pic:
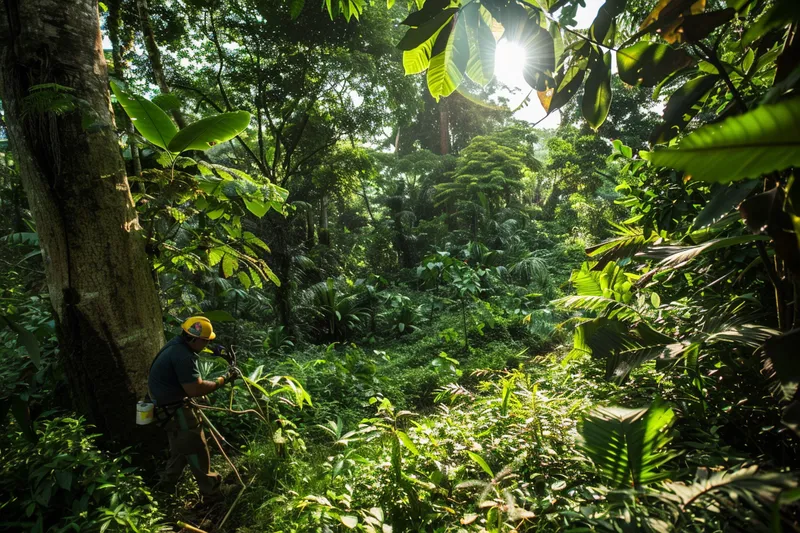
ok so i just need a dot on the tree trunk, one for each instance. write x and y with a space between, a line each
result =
324 236
154 54
444 128
114 25
104 301
310 234
552 201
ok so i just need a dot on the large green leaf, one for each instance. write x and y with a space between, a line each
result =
209 131
446 69
780 14
724 198
24 338
746 485
597 92
746 146
149 119
415 37
647 63
419 59
682 107
482 46
602 29
428 11
628 445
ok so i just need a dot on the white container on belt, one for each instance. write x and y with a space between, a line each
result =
144 413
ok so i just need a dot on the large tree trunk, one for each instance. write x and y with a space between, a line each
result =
154 54
104 301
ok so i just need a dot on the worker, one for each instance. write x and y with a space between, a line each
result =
174 378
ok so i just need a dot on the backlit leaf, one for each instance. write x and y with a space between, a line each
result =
597 92
415 37
682 106
209 131
745 146
148 119
648 63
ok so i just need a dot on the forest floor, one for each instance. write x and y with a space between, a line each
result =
435 435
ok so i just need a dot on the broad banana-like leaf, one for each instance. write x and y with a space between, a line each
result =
746 146
482 46
148 119
209 131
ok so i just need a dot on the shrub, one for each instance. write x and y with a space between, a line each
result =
63 482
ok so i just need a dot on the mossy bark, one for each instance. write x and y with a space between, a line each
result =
100 285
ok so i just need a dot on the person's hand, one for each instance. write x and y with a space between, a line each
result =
232 375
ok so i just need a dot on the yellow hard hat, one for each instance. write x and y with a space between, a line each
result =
200 327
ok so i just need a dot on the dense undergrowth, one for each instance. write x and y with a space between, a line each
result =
448 320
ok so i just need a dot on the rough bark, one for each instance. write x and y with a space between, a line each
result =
104 301
154 54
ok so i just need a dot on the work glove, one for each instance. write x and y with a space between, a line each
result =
232 375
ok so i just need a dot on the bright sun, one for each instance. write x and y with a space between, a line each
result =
509 59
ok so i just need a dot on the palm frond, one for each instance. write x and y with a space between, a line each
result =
628 445
745 485
628 242
622 348
606 306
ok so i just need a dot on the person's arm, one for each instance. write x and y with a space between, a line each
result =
189 377
201 388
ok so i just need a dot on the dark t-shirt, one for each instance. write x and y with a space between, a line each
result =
175 364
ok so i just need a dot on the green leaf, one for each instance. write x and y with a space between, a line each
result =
245 280
209 131
627 445
257 207
149 119
439 83
597 92
349 521
229 264
428 11
415 37
167 102
218 316
407 442
781 14
446 70
782 362
599 31
24 338
418 59
724 198
746 146
483 464
682 106
295 8
482 46
647 63
734 487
